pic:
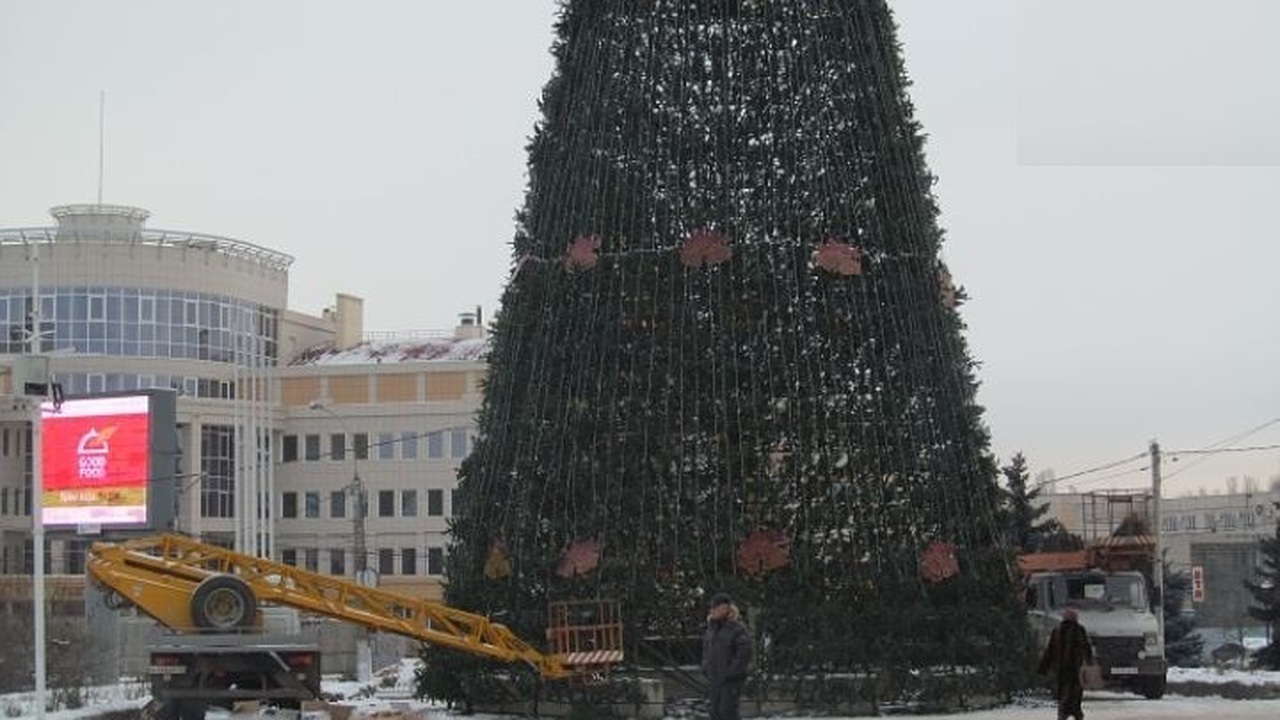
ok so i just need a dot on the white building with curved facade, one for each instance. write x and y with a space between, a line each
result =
277 410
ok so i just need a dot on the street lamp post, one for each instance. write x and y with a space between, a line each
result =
364 650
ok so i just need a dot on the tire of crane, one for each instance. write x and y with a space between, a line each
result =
223 602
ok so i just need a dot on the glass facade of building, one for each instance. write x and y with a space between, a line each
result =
143 323
146 323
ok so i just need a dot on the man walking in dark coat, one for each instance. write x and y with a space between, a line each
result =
726 655
1067 651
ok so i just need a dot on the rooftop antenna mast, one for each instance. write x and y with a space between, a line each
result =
102 111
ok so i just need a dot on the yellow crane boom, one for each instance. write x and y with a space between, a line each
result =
189 586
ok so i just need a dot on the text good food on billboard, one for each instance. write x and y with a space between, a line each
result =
96 454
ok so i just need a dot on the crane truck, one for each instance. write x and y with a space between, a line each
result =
1109 594
208 600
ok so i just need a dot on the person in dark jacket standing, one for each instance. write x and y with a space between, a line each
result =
1067 651
726 655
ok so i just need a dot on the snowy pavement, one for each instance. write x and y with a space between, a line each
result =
1099 706
395 689
1110 706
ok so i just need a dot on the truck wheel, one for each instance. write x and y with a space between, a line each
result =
223 602
1152 688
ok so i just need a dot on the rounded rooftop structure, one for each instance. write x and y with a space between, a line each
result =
186 306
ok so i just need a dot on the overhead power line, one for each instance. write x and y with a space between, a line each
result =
1097 468
1215 451
1218 447
1204 453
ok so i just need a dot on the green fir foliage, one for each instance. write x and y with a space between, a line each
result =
1182 646
666 401
1266 599
1027 530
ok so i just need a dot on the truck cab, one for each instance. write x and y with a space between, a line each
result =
1114 609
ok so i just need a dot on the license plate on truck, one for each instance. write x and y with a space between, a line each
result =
1124 671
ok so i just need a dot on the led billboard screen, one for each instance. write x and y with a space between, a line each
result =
96 453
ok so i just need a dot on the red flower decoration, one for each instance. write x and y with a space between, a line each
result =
705 247
581 557
764 550
838 258
583 252
938 562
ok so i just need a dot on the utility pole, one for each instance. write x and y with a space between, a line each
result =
34 347
1157 565
364 648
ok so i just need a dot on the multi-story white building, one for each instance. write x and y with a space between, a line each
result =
390 419
278 411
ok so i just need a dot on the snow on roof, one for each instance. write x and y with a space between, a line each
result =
397 351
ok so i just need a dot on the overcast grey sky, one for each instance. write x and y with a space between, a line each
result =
1106 173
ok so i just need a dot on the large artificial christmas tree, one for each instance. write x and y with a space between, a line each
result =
729 358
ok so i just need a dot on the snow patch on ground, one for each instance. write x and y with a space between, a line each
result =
1224 675
390 694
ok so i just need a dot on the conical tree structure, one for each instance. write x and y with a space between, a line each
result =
728 356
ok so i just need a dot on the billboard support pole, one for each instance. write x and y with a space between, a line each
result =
37 521
37 488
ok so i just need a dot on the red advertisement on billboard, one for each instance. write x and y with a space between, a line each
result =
96 455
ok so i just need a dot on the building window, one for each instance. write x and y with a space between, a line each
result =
360 441
386 561
97 307
458 443
313 447
289 556
435 503
338 504
289 448
408 446
453 503
338 446
289 505
311 559
218 471
409 503
409 561
386 503
386 446
312 508
337 561
435 445
435 561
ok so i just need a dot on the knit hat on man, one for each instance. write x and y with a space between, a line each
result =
1071 614
720 599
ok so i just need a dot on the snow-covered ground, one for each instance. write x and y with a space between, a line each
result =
393 698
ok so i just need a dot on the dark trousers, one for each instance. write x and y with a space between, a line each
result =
725 697
1070 693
